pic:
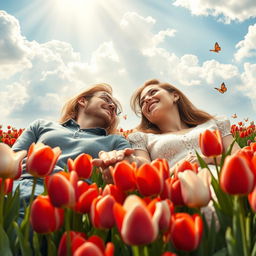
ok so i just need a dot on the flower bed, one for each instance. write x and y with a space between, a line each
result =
145 211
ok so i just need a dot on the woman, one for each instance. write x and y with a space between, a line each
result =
170 125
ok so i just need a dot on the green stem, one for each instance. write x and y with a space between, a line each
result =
242 226
67 228
48 237
140 250
2 203
29 208
216 165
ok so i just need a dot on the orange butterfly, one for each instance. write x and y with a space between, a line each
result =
222 88
216 48
234 116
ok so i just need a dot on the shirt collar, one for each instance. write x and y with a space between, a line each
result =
97 130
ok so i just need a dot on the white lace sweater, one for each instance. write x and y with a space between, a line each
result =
174 147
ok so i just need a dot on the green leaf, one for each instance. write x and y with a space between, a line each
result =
24 245
4 243
222 252
12 207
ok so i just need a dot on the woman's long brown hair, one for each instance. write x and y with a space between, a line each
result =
189 114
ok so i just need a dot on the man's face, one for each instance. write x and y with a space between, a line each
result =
103 106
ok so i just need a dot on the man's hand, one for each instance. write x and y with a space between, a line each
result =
108 159
112 157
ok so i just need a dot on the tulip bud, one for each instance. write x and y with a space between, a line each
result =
42 209
236 176
210 143
186 231
42 159
82 165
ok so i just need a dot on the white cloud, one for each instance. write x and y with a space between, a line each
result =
247 47
55 70
249 80
14 54
226 11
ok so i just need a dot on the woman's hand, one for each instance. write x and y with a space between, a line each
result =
112 157
107 159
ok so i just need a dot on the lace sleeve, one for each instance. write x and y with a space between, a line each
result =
138 140
223 125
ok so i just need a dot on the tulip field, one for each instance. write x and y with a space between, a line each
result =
146 211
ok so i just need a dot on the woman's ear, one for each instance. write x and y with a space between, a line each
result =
82 101
176 97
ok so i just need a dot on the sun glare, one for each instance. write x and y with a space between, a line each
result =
73 6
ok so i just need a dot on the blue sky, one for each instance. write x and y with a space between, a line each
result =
52 49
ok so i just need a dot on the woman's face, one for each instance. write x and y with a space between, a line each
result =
155 102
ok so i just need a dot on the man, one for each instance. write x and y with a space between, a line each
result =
87 124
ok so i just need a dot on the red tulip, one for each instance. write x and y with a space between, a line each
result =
8 184
185 165
135 222
45 218
76 238
210 143
186 231
162 163
10 162
252 199
150 180
82 165
169 254
124 176
62 189
42 159
113 190
175 191
86 195
236 176
102 212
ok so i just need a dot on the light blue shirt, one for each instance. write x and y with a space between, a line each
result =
72 141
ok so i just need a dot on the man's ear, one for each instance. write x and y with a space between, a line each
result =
82 101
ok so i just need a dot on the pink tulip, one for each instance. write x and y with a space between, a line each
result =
45 218
62 189
94 246
82 165
195 188
41 159
135 222
10 162
102 212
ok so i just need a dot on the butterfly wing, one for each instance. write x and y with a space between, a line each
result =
223 88
217 47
